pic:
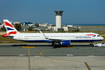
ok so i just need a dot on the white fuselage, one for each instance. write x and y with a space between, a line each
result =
73 37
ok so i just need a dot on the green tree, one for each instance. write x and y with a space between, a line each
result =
3 28
30 28
37 25
18 26
77 30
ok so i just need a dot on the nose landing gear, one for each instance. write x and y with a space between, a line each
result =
91 44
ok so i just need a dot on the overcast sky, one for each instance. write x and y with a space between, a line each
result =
42 11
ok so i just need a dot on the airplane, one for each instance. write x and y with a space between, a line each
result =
63 39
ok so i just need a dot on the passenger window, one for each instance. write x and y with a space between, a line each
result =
98 35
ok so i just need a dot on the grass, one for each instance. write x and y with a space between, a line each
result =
104 39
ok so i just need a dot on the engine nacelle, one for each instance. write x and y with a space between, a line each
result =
65 43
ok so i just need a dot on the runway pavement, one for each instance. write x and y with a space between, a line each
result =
45 57
74 49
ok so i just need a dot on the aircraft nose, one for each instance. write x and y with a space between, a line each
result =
102 38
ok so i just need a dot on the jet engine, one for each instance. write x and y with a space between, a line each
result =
65 42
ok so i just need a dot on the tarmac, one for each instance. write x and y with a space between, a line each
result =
52 63
44 57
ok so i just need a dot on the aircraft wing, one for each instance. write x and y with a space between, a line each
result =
52 39
56 39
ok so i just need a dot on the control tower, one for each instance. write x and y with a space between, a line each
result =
58 26
58 20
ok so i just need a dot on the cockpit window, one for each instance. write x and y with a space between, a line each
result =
98 35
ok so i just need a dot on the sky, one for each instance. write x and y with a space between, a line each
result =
42 11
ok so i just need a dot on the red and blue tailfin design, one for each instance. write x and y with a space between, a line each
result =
10 30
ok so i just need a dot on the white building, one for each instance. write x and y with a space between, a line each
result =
16 23
54 28
43 24
69 25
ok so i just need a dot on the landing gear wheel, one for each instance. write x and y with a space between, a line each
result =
52 43
91 45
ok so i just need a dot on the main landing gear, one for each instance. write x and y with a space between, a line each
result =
55 44
91 44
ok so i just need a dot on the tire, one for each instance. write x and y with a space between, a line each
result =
91 45
52 43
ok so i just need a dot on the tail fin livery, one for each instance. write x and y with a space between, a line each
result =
10 30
